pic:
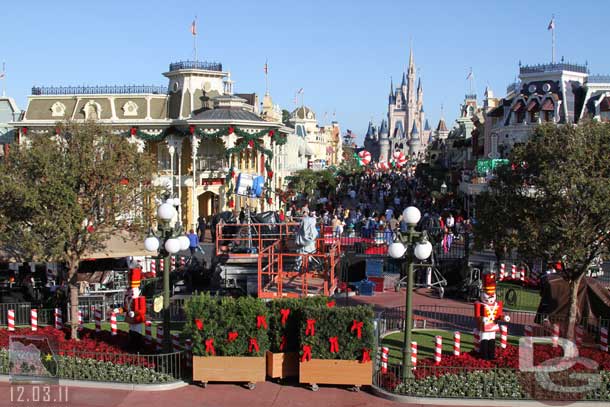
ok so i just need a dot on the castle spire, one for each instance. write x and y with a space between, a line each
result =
411 60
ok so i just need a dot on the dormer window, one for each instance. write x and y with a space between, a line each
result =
548 110
519 112
534 111
604 110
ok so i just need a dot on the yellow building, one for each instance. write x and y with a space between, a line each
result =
201 134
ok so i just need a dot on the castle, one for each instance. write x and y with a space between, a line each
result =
406 128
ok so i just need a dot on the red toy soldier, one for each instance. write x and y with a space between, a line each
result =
135 304
488 312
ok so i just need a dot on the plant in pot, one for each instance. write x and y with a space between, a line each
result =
336 346
230 338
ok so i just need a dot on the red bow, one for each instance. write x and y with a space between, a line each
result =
253 344
334 344
306 353
209 346
133 131
191 129
261 322
271 133
199 324
283 343
330 304
231 130
366 356
357 326
232 336
285 312
311 327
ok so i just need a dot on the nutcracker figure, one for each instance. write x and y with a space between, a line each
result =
135 306
488 312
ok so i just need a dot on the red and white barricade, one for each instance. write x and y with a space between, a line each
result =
502 271
176 342
513 271
603 339
11 319
414 354
384 359
59 323
153 268
522 273
438 349
34 319
456 343
182 261
503 336
113 326
172 263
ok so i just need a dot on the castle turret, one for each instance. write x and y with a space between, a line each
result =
414 141
384 142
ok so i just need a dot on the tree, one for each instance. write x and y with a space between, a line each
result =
553 201
65 194
285 116
309 182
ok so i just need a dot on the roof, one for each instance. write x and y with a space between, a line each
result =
249 97
227 114
441 125
303 113
384 127
427 126
414 130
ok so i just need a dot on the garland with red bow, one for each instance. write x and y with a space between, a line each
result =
209 346
253 345
261 322
284 312
306 357
232 336
311 327
357 326
334 344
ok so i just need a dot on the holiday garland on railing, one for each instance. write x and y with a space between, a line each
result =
136 132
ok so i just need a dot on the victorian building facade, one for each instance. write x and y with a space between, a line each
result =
201 134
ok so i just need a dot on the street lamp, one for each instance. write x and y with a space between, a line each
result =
401 248
166 241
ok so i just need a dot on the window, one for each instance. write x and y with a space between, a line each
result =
548 115
163 157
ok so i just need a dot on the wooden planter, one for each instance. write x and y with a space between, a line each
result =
335 371
229 369
281 365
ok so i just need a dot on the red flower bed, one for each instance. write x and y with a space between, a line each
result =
505 358
91 346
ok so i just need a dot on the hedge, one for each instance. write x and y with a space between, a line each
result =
90 369
289 330
337 322
211 318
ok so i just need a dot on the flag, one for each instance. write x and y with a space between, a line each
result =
469 74
3 73
266 68
551 24
194 27
300 91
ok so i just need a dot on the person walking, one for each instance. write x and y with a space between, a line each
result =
193 241
201 226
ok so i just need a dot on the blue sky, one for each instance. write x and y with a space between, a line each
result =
341 52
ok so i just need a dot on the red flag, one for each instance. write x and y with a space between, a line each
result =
194 27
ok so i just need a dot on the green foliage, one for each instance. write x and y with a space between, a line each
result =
285 116
309 182
291 329
553 203
221 315
90 369
337 321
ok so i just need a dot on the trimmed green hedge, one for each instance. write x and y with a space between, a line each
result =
337 322
291 329
222 315
90 369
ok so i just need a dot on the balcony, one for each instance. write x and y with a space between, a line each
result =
599 79
208 66
211 163
556 67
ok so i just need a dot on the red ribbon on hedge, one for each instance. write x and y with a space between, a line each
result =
311 327
209 346
199 324
357 326
306 353
253 344
285 312
232 336
283 343
366 356
334 344
261 322
330 304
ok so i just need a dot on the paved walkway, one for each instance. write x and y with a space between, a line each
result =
226 395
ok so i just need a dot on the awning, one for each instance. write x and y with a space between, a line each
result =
518 106
121 244
532 105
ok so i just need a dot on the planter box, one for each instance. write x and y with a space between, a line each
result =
335 371
281 365
228 369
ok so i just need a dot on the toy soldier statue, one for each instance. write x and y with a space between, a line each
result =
488 312
135 305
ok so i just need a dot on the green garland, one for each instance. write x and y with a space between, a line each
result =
136 132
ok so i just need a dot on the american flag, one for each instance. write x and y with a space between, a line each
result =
266 68
300 91
194 27
3 73
551 24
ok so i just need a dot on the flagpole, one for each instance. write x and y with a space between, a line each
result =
195 38
266 78
553 43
